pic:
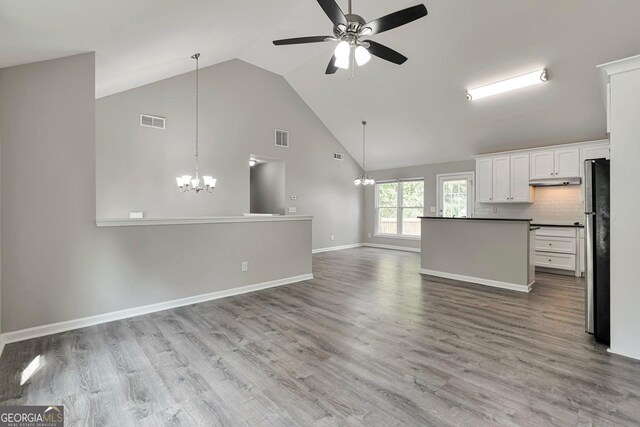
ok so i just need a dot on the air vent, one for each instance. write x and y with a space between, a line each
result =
282 138
152 121
338 156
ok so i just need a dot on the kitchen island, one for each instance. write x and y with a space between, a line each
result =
495 252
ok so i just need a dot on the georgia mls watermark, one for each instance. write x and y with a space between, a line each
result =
31 416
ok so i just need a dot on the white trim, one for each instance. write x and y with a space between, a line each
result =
1 345
545 148
478 280
620 65
55 328
394 248
336 248
396 236
618 353
471 192
126 222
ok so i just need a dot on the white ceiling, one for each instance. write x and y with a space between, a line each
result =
417 112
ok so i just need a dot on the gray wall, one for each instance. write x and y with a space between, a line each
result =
56 264
268 188
491 250
428 172
240 106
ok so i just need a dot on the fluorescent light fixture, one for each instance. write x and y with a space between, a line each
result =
539 76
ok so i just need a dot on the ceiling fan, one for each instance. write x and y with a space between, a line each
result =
351 29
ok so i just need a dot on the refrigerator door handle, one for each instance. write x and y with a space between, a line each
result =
589 282
588 186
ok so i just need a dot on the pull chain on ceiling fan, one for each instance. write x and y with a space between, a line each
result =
351 29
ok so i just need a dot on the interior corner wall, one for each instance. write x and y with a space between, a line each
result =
57 266
429 173
625 204
268 188
241 105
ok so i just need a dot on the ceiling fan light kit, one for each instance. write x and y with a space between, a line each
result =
529 79
350 31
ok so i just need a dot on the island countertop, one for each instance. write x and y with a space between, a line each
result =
476 218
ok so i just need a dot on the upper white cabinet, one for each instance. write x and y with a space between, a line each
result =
484 180
542 164
505 177
567 163
520 189
501 180
559 163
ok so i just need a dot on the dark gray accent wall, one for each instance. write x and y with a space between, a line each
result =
240 107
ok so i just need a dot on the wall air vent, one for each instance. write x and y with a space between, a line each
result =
152 121
338 156
282 138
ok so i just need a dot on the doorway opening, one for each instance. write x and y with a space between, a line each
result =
267 185
456 195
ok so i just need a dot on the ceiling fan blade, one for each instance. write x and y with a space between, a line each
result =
397 19
331 68
333 11
301 40
386 53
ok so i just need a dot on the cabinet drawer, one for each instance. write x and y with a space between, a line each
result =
565 245
554 260
556 232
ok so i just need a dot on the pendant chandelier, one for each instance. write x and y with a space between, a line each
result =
187 182
364 179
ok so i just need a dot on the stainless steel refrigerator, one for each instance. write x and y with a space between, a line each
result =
597 251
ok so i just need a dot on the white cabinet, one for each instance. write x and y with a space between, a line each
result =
484 180
600 151
567 163
558 163
501 180
519 171
542 164
558 248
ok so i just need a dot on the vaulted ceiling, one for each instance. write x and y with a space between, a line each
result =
417 112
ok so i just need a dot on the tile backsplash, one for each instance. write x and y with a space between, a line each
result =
551 204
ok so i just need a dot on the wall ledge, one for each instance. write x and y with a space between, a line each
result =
126 222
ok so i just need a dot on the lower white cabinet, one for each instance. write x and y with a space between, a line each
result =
558 248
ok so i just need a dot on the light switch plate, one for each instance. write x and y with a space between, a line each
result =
245 266
136 215
293 209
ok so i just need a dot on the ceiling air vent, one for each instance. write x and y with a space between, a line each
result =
152 121
282 138
338 156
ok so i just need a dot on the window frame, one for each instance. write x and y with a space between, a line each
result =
399 209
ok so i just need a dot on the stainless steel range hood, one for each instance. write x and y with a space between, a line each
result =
555 182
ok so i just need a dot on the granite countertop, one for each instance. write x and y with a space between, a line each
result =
477 219
559 225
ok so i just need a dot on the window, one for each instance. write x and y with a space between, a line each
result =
455 195
398 206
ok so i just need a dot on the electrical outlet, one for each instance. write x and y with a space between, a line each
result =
432 209
369 234
333 237
495 209
245 266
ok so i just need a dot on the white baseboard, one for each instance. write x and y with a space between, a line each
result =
395 248
55 328
336 248
624 354
478 280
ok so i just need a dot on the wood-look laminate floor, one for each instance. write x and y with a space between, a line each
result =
367 342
